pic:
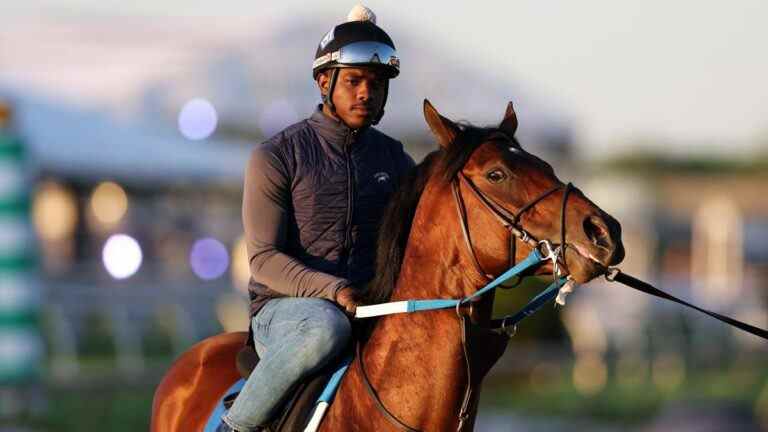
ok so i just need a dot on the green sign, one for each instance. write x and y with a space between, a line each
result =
21 348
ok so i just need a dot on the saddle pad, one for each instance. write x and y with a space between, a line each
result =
215 419
296 410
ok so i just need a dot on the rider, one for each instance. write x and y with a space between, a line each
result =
312 200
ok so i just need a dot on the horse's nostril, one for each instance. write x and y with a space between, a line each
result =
597 232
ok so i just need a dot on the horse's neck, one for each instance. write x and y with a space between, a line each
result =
415 361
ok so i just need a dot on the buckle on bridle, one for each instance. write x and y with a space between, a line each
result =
611 273
508 332
551 253
546 249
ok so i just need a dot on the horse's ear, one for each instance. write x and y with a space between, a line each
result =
509 124
444 130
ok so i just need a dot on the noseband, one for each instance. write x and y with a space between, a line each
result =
511 221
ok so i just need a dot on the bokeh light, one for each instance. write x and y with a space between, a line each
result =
109 203
198 119
587 333
54 211
590 373
121 256
240 270
209 258
232 312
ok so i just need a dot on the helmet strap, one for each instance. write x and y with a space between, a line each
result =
328 96
383 104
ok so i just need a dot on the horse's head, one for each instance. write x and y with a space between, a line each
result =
501 182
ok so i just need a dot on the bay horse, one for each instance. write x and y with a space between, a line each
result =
427 249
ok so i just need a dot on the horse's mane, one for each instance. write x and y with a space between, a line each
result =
398 216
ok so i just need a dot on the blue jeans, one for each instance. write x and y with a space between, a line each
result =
294 336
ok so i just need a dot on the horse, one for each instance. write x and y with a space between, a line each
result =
440 238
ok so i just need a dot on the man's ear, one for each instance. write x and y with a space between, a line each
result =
323 80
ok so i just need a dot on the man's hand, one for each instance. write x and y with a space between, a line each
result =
348 299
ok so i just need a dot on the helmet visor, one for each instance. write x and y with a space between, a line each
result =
364 53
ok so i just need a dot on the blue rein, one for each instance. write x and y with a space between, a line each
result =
409 306
424 305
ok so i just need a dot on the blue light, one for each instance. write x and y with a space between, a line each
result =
209 258
197 119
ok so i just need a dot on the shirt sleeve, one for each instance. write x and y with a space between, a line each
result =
266 211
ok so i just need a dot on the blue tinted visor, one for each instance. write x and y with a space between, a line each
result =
362 54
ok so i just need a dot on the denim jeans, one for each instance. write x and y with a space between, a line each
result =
294 336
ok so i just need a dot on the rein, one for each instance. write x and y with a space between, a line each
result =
614 274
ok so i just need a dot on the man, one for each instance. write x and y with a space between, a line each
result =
312 200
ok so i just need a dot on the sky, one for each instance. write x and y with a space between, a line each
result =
684 77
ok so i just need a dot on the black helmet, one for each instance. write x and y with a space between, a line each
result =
355 43
358 42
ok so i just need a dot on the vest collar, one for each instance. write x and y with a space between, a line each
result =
334 131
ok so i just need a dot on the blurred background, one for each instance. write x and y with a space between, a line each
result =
125 127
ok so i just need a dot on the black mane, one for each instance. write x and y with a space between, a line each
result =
398 216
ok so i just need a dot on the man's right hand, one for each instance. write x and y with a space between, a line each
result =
347 298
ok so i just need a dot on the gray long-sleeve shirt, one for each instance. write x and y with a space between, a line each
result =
312 201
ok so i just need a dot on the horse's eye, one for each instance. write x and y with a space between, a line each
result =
496 176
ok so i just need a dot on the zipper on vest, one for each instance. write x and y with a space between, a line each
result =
350 196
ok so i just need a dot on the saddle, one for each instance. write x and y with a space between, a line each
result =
299 403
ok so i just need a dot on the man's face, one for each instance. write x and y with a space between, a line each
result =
358 95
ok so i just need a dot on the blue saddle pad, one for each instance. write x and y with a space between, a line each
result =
215 419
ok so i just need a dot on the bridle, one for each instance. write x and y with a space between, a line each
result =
511 221
546 250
